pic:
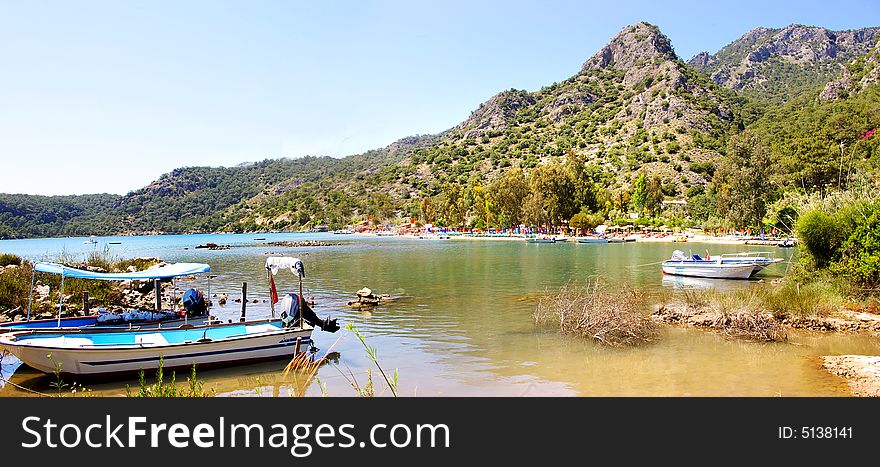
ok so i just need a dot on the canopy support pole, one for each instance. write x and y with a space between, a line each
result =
244 300
60 300
302 302
31 299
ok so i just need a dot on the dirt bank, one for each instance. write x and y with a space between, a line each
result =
862 372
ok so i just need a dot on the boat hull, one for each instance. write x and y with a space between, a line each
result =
85 354
709 271
540 240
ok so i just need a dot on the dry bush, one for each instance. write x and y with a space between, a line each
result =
610 318
756 326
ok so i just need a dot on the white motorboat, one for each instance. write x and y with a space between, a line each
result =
682 265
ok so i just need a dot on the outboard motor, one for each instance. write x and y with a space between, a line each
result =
194 303
290 305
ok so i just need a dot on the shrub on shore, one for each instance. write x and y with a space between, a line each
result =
7 259
610 318
841 235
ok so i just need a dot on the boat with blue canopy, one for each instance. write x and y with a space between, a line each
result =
194 304
89 351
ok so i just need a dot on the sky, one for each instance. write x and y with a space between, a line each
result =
106 96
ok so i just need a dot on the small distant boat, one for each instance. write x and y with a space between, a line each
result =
787 243
616 240
386 233
541 240
592 240
434 236
343 232
90 241
260 238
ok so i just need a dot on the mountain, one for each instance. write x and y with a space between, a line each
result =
633 104
778 64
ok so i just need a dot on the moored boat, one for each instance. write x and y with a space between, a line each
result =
434 236
787 243
92 351
87 353
592 240
541 240
682 265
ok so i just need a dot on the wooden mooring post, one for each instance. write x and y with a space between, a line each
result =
86 307
157 286
243 301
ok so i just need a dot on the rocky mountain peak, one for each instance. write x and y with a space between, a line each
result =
632 46
701 60
856 76
757 60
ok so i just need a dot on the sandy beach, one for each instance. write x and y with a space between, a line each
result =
640 237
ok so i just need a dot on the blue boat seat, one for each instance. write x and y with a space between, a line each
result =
696 257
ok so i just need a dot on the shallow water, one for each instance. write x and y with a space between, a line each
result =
463 324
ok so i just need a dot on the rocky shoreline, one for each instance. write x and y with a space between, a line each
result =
706 317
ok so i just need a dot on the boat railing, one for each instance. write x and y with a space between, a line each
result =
745 254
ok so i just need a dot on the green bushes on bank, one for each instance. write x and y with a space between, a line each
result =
843 239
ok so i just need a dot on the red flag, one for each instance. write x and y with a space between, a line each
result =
273 293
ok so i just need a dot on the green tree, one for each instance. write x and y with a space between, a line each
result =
506 194
556 190
640 193
427 210
654 196
742 180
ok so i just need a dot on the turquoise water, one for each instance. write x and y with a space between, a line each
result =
462 321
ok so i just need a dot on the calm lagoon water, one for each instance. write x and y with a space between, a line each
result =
463 324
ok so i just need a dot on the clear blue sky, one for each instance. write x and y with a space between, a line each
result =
106 96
